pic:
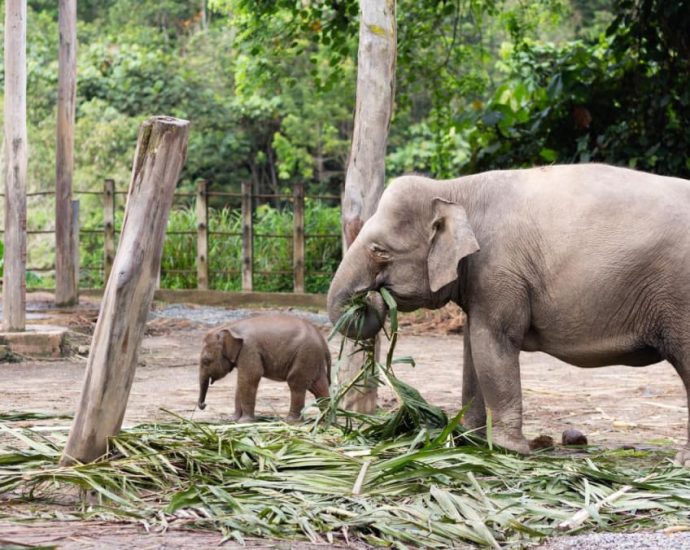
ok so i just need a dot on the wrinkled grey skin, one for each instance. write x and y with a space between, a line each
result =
277 347
588 263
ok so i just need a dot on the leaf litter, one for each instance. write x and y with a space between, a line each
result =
407 477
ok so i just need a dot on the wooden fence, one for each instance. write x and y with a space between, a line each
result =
202 232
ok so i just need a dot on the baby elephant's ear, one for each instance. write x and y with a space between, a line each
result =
232 345
452 239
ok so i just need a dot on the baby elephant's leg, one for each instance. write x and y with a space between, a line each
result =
297 398
320 387
248 377
238 404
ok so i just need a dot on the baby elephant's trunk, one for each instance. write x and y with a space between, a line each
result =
203 388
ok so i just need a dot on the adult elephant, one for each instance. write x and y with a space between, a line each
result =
588 263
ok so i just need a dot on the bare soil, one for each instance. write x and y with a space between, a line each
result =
613 406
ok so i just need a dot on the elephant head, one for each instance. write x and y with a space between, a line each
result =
412 246
218 357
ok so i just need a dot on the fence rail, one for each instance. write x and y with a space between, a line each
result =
109 231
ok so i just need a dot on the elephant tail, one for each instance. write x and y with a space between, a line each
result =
328 365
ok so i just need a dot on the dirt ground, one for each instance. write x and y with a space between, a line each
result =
613 406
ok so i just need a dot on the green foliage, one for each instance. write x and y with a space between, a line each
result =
273 480
269 87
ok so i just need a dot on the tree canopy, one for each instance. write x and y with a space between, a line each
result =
269 86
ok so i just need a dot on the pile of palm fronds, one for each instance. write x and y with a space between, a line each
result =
406 477
286 482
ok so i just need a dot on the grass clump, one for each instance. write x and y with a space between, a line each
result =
408 477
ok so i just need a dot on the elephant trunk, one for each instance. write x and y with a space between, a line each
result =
203 388
349 283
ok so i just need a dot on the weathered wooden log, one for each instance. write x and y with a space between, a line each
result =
160 155
66 278
14 277
365 176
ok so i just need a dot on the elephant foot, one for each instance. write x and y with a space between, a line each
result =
293 419
246 419
515 443
474 423
683 457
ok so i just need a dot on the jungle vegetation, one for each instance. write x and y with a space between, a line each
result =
269 88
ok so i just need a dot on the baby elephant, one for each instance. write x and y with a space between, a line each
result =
279 347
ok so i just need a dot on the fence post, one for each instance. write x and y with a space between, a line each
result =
247 238
66 271
298 238
201 235
108 228
75 246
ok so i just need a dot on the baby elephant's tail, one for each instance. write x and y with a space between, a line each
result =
328 365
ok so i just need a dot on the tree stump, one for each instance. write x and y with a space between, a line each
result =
160 155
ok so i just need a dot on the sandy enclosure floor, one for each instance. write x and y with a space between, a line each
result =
613 406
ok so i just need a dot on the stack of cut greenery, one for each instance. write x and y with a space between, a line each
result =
408 477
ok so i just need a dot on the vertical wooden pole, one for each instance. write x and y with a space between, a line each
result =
160 155
15 145
298 238
202 235
108 228
66 293
75 244
247 238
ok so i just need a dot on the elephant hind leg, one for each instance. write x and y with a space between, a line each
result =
297 398
682 366
320 387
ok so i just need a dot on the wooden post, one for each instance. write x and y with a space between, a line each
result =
160 155
108 228
247 238
202 235
365 176
66 293
15 146
74 230
298 238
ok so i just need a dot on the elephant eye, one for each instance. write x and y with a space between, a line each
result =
380 254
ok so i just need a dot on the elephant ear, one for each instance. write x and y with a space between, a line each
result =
452 239
232 345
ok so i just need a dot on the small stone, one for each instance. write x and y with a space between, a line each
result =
572 437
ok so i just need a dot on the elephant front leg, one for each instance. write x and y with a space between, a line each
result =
472 398
497 369
238 404
247 385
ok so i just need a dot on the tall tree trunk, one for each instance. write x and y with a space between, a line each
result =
66 271
15 145
366 167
